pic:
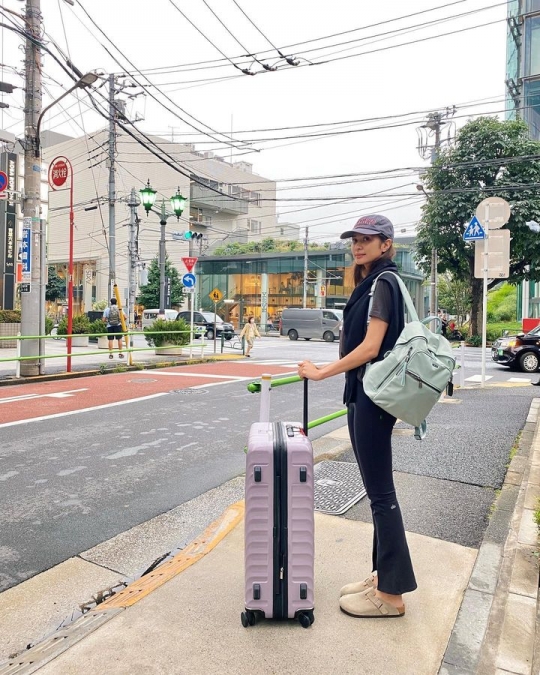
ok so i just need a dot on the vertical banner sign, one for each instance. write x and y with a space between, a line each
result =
8 240
26 250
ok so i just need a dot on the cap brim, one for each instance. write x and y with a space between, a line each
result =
360 230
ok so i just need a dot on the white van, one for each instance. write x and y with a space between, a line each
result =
150 315
321 324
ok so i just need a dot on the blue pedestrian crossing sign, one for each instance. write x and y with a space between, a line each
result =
474 231
189 280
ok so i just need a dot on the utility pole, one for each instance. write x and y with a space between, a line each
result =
30 301
112 184
434 124
306 265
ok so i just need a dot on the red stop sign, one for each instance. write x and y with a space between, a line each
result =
58 173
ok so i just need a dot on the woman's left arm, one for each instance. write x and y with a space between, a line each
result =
366 351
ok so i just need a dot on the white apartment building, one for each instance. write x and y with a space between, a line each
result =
227 202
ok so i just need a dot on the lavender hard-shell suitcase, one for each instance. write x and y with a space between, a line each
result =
279 524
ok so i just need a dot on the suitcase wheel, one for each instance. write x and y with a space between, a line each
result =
248 618
306 618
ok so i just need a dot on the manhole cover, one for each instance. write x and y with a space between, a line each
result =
143 379
189 391
338 486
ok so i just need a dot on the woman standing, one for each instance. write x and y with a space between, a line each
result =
368 339
250 332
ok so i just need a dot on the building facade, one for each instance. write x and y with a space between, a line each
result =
523 101
225 202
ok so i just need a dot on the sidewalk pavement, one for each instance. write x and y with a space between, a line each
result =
475 611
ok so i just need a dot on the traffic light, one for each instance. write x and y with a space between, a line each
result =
194 236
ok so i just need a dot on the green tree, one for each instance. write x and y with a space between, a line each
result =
454 296
489 158
56 287
149 295
268 245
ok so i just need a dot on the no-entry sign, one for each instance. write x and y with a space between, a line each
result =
58 173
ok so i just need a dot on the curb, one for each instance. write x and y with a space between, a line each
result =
31 660
496 624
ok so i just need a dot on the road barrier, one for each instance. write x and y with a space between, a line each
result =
198 344
263 388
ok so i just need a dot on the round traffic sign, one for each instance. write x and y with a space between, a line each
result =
493 212
58 173
189 280
3 181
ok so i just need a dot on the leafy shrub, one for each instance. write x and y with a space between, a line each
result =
168 333
97 326
81 325
502 304
10 316
49 325
474 340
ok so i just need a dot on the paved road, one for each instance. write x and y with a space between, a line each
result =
74 479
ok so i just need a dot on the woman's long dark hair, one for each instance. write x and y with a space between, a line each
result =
359 271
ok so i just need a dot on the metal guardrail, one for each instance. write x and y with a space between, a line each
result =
266 383
127 349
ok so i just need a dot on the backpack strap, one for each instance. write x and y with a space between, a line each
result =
404 292
420 431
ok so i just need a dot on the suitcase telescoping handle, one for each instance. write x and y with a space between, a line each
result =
266 386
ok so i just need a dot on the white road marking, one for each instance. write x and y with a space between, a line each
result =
213 377
82 410
478 378
27 397
519 379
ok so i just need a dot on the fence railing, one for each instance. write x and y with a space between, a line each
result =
266 383
128 348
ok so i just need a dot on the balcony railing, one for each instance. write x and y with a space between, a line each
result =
202 197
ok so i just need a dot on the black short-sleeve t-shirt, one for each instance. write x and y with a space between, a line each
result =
382 302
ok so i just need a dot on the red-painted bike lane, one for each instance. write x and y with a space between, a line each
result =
43 399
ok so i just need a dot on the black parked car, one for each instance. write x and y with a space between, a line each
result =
518 351
205 321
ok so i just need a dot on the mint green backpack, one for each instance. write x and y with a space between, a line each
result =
413 375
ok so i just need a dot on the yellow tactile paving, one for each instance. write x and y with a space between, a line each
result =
209 539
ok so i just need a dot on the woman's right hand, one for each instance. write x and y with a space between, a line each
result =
309 371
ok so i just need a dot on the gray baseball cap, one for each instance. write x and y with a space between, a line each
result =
373 224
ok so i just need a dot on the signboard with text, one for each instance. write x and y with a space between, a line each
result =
58 173
26 253
189 263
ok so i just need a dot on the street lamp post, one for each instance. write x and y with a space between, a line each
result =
148 197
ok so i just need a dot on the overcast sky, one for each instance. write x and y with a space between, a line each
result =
465 69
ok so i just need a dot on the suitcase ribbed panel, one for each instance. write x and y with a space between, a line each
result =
301 525
259 519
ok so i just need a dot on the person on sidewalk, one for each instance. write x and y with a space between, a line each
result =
366 339
112 316
250 332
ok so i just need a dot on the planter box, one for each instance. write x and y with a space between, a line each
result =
79 341
8 329
103 342
168 350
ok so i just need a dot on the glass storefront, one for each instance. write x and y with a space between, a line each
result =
252 286
84 289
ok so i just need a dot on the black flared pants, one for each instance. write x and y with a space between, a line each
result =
370 429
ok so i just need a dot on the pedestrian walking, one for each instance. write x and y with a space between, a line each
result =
112 315
366 339
250 332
